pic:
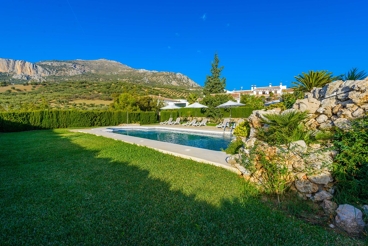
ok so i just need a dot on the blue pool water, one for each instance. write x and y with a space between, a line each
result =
199 140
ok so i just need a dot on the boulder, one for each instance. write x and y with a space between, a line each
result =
326 125
360 85
249 143
365 107
312 124
351 106
329 206
254 121
358 97
344 113
316 93
358 113
322 178
322 118
343 93
252 132
294 162
308 104
299 147
321 195
319 160
306 186
331 89
342 123
350 219
336 108
328 103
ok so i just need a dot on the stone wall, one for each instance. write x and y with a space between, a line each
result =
335 104
310 166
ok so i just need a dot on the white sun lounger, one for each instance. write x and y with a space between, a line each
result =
202 123
168 122
176 122
190 123
224 123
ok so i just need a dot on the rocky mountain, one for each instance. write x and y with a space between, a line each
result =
17 71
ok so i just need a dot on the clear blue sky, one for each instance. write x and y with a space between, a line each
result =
258 42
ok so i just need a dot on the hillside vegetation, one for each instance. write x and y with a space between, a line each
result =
82 95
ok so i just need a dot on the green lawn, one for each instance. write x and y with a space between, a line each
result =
65 188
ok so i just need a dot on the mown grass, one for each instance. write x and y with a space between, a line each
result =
66 188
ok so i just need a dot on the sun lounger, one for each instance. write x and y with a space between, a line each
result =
202 123
190 123
176 122
166 122
225 123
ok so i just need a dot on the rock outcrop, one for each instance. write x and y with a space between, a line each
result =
334 105
97 70
22 69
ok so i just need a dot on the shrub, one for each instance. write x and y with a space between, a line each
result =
289 99
351 163
279 105
234 146
242 129
268 170
324 135
252 101
284 128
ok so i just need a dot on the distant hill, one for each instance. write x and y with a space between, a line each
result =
19 71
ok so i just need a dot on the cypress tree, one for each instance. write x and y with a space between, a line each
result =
213 83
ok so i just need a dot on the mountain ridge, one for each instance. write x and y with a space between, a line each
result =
17 71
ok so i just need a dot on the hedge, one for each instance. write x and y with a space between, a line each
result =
50 119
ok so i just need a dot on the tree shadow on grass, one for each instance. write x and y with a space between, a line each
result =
53 191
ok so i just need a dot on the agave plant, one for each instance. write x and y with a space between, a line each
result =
307 81
354 74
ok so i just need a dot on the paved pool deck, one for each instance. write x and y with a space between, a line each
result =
216 158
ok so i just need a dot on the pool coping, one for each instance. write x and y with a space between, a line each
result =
216 158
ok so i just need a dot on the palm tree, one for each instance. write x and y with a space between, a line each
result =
305 82
354 74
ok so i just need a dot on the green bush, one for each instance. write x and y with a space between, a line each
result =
351 163
288 99
242 129
324 135
268 170
234 146
284 128
279 105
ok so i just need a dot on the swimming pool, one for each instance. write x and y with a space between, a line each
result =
209 141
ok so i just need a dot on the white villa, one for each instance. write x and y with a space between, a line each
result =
259 91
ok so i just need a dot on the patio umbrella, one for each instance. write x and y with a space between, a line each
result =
196 105
170 106
230 104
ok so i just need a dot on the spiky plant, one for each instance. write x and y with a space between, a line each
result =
355 74
305 82
283 128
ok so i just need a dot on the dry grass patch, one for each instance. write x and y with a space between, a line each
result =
15 88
